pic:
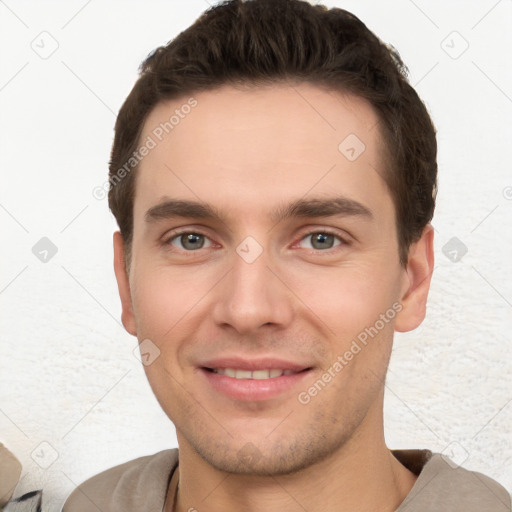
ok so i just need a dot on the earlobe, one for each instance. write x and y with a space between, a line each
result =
418 274
123 284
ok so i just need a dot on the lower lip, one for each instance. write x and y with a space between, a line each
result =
253 389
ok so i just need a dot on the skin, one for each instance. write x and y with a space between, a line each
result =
247 151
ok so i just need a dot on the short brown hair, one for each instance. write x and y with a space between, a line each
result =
264 41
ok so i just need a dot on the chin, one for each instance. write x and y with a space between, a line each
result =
283 455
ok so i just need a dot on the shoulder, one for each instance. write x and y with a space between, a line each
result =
443 485
134 485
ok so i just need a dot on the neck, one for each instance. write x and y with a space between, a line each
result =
361 475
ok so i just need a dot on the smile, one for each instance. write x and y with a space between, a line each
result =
247 374
254 384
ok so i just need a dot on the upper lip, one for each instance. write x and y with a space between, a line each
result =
263 363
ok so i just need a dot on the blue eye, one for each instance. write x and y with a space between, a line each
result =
322 240
189 241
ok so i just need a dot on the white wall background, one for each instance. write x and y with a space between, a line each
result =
68 376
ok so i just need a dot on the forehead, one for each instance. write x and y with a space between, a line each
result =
249 147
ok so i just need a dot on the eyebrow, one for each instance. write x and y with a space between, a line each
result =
301 208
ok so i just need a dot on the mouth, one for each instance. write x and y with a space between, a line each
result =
254 384
238 373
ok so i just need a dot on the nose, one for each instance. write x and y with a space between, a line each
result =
253 295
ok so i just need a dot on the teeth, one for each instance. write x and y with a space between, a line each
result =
256 374
265 374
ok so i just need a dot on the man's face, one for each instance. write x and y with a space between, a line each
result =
256 289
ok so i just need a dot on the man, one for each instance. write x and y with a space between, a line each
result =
273 175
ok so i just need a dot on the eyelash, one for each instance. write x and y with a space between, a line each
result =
343 242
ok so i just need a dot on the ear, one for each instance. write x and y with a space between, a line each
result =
416 284
123 285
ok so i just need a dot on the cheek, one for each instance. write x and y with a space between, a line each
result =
162 299
348 299
160 306
170 306
152 310
358 307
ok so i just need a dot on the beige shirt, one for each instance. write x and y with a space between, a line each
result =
141 485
